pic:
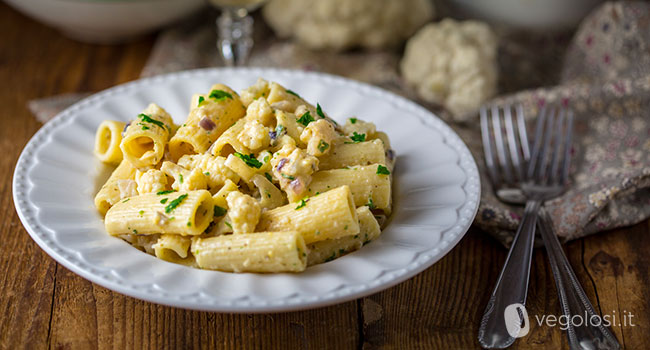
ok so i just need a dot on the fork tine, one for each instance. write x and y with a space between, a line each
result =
544 157
512 142
557 154
567 149
487 146
539 131
500 144
523 135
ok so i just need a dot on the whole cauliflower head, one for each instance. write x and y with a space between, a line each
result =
454 64
341 24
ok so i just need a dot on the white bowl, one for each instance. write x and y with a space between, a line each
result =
106 21
536 15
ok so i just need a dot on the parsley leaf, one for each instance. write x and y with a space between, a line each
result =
201 99
358 137
353 120
370 203
164 200
268 177
160 193
322 146
287 176
305 119
219 211
175 203
279 130
249 160
219 95
293 93
302 203
382 170
148 119
319 111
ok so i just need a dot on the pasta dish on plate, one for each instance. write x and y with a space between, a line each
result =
260 181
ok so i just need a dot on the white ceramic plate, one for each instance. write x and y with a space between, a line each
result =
436 195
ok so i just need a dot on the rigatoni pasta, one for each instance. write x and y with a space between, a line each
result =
262 183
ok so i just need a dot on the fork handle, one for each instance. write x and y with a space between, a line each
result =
573 300
512 285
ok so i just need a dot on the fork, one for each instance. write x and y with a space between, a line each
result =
510 188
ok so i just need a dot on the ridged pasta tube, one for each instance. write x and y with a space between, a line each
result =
184 213
330 249
145 138
110 192
252 252
107 142
369 186
349 154
328 215
174 248
207 120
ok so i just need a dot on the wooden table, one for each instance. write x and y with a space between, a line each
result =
42 304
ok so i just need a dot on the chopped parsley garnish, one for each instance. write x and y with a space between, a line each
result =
219 95
293 93
358 137
370 203
353 120
219 211
319 111
164 200
160 193
175 203
201 99
135 231
382 170
126 200
268 177
322 146
228 224
189 224
148 119
249 160
302 203
207 173
141 212
180 178
332 257
144 127
305 119
279 130
287 176
267 158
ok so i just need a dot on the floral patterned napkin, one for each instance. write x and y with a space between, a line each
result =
605 78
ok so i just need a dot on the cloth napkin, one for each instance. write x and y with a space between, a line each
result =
604 78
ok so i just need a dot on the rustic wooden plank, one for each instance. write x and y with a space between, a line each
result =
27 273
440 307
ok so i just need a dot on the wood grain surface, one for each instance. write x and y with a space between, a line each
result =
43 305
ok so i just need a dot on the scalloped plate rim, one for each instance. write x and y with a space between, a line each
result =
329 298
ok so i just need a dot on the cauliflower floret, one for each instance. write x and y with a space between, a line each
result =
354 125
184 180
255 91
150 181
128 188
214 168
318 135
255 136
244 212
261 111
454 64
341 24
293 168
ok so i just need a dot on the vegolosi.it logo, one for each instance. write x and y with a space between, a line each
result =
516 319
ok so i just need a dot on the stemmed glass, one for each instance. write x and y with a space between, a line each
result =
235 29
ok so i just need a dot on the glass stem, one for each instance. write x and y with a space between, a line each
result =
235 28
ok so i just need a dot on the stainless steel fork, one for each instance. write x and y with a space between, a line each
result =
512 184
